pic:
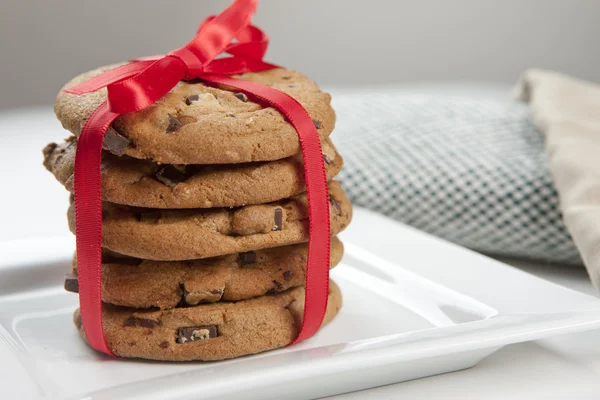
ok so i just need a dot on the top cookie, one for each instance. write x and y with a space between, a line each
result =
199 124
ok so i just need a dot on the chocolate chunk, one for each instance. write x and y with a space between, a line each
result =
115 142
217 291
278 219
278 287
287 275
171 175
49 149
335 204
174 124
191 99
253 219
286 77
164 345
327 159
145 323
241 96
71 283
317 123
247 257
195 333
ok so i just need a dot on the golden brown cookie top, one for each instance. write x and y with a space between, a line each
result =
199 124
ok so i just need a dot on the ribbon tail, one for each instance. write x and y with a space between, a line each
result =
88 224
317 267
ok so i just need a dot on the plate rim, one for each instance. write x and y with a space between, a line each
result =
392 348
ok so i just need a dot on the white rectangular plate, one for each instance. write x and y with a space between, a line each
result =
414 306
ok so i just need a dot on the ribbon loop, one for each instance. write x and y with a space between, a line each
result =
195 67
252 43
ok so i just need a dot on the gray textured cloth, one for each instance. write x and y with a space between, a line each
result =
567 111
467 168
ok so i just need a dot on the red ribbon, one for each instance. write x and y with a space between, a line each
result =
134 86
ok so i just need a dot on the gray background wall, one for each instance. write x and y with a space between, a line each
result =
43 43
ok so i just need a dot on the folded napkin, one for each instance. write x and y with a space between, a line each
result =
567 111
463 163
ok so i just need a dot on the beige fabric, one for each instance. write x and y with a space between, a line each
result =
567 111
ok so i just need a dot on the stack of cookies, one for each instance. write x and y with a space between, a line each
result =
205 221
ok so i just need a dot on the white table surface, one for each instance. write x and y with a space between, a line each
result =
33 204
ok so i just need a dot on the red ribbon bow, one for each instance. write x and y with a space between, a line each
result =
134 86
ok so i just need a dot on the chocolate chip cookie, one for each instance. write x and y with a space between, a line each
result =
199 124
172 235
143 183
210 331
139 283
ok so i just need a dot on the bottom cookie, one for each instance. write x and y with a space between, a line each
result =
209 332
